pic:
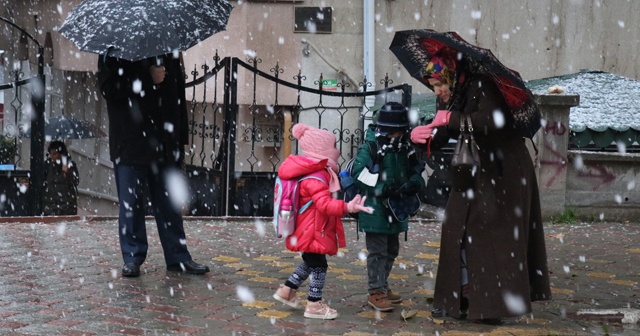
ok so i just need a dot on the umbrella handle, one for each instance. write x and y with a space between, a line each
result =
104 59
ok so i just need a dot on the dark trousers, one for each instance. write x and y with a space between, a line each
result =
131 182
382 251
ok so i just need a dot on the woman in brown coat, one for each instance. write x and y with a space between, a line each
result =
493 260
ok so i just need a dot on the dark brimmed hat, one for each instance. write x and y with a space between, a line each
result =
391 117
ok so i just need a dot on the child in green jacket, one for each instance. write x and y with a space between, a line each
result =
390 179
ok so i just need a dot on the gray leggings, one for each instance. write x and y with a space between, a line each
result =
383 249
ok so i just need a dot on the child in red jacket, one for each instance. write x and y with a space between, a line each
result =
319 228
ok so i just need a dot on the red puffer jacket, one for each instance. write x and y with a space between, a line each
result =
319 228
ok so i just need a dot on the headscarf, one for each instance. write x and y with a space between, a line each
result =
442 69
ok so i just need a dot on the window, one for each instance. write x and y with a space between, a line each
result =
313 20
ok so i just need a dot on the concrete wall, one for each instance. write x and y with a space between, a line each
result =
538 38
552 142
603 185
600 186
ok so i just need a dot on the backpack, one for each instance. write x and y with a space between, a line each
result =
285 203
347 185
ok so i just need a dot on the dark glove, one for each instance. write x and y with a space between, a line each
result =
419 167
384 192
409 188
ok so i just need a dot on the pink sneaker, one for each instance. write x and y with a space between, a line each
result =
288 296
319 310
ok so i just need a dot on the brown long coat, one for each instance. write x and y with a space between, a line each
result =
499 222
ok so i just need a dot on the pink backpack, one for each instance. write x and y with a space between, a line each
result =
285 203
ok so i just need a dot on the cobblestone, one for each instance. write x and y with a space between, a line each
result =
61 276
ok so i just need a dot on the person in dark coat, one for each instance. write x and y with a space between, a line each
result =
398 177
438 160
147 134
493 260
61 182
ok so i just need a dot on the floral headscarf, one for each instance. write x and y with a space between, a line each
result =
442 70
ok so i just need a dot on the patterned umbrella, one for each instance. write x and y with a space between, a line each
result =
414 49
138 29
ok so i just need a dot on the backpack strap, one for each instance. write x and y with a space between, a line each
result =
373 149
317 175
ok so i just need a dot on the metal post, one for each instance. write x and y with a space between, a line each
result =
229 131
37 137
37 127
406 95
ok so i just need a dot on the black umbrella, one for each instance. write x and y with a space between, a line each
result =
414 49
137 29
61 128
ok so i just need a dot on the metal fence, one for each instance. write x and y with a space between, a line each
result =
240 135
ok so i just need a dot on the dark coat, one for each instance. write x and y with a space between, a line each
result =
147 122
499 222
438 186
60 191
396 169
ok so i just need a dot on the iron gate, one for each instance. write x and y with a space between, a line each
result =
20 189
240 135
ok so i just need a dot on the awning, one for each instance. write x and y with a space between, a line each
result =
609 110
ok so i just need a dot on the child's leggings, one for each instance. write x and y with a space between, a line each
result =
314 266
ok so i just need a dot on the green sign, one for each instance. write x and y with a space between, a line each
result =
330 84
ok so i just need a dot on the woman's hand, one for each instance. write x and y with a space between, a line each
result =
441 119
420 134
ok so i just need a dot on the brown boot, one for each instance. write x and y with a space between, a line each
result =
394 297
378 300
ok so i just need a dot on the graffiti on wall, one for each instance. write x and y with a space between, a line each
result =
557 162
555 128
599 173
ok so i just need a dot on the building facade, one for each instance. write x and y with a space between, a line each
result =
341 41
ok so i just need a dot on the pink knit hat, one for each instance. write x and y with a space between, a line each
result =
317 143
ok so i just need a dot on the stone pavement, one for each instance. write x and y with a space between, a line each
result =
62 277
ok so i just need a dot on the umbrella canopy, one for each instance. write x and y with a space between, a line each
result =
138 29
62 128
415 48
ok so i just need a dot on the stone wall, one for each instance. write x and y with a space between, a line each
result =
594 185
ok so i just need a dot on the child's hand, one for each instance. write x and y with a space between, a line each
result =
357 205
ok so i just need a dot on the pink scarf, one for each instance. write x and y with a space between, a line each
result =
334 184
331 167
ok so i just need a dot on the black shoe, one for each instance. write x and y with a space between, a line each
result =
131 270
438 313
464 304
189 266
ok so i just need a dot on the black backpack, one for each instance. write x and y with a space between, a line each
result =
347 180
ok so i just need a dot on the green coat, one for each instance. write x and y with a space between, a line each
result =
395 170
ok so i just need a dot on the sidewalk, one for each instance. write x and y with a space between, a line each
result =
63 278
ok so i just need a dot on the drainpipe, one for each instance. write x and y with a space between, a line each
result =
369 56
